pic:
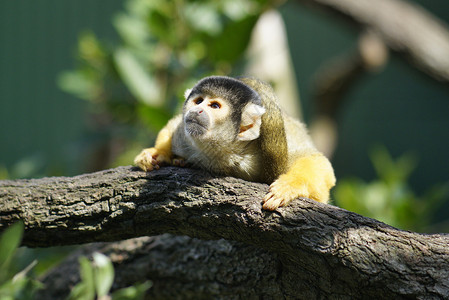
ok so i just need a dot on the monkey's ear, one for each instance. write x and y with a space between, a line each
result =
187 93
251 121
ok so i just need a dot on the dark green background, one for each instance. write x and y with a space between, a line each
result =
38 40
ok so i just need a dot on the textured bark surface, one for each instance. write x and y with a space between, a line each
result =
403 26
180 268
311 249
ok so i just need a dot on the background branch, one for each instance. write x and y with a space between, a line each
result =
406 28
320 248
180 268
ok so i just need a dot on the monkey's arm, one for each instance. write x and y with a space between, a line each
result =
310 176
161 153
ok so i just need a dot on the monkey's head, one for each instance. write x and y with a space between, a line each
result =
224 109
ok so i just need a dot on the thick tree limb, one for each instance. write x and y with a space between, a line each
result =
322 250
403 26
180 268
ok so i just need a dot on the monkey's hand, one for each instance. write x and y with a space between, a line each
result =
310 176
152 158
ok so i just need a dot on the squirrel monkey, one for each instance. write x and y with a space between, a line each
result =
235 127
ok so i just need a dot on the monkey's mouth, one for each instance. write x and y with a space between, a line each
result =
194 127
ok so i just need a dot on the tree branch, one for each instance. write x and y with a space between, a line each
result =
403 26
180 268
322 246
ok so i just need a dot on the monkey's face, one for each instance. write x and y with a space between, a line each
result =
223 110
205 116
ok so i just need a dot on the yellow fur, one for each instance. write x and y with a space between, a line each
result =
310 176
160 154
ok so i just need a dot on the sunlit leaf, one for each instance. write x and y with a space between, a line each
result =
89 48
135 292
203 16
141 83
77 83
85 290
104 274
10 288
131 29
238 9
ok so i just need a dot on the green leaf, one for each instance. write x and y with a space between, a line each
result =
131 29
203 17
85 290
22 274
239 9
104 274
87 273
20 287
9 242
141 84
161 25
89 48
77 83
11 288
135 292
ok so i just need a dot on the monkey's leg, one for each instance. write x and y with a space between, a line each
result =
310 176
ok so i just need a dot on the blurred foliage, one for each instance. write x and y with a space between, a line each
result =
28 167
165 47
14 285
97 278
389 198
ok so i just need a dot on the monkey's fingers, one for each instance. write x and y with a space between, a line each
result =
282 192
271 202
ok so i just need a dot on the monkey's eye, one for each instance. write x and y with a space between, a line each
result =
198 100
215 105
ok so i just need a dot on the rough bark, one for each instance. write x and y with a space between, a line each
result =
314 250
179 268
403 26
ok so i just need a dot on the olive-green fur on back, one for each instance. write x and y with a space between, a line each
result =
272 140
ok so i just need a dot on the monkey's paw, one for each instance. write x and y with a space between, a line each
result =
281 193
310 177
152 158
